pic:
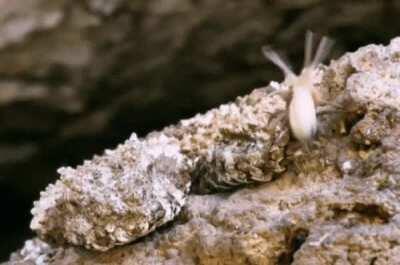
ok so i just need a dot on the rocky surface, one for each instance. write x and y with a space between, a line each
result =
75 72
115 198
126 193
337 204
77 77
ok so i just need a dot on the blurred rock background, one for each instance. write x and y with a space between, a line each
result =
79 76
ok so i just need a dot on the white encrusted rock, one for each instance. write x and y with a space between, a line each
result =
115 198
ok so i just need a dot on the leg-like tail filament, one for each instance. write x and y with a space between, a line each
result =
308 48
275 58
323 50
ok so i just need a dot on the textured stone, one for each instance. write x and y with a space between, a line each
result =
236 144
127 193
338 203
74 79
115 198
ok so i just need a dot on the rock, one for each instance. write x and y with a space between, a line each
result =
236 144
115 198
126 193
339 203
75 79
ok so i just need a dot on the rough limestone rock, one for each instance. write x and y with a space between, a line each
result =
76 76
75 72
126 193
337 204
236 144
115 198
